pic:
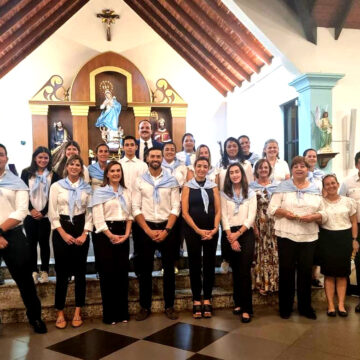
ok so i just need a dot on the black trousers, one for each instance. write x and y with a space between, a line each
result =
38 231
201 280
112 263
225 251
295 257
146 248
17 258
70 260
240 263
357 264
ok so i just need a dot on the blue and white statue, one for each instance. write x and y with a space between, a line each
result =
109 117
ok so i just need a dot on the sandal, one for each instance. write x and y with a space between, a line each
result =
76 321
61 323
207 311
197 314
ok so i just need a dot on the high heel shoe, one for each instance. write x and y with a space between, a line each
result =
197 313
207 311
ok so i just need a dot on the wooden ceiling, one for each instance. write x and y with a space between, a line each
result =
204 32
25 24
338 14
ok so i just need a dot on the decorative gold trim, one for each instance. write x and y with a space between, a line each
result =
165 93
101 69
52 90
79 110
178 112
39 109
142 110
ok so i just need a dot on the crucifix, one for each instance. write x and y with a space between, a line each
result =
108 17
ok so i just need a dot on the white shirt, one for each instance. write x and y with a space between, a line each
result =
180 173
59 205
14 203
132 168
247 168
181 156
86 174
280 170
245 216
306 205
142 146
39 199
351 188
338 213
144 203
95 183
111 210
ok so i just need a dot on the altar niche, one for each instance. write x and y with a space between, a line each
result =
107 79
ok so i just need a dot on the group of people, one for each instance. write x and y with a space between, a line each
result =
269 215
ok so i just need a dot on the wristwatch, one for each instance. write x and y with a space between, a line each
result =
168 230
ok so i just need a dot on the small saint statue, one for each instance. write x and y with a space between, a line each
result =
162 134
59 135
325 128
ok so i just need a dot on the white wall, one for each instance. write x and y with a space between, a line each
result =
255 111
80 39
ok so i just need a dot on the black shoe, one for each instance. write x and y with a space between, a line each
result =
142 314
285 315
342 313
316 283
207 311
237 311
245 320
357 308
331 313
171 314
310 314
39 326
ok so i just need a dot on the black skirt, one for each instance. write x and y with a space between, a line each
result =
334 252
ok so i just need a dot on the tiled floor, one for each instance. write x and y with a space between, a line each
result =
222 337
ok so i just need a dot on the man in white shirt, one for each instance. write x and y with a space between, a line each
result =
145 142
351 188
14 248
155 207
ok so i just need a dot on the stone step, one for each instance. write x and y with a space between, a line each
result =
12 309
182 263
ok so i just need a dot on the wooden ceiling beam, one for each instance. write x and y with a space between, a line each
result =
221 34
8 6
189 57
192 41
34 39
238 31
343 15
144 4
19 16
31 22
309 25
204 35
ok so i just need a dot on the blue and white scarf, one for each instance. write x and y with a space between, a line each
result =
41 179
106 193
193 184
12 182
95 171
167 181
175 164
238 200
288 186
74 193
270 188
317 174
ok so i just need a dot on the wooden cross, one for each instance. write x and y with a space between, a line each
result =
108 17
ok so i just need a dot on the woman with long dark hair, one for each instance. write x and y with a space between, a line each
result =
39 177
96 170
111 206
71 223
70 148
238 210
201 211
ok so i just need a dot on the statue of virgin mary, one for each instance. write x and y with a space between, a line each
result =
111 109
